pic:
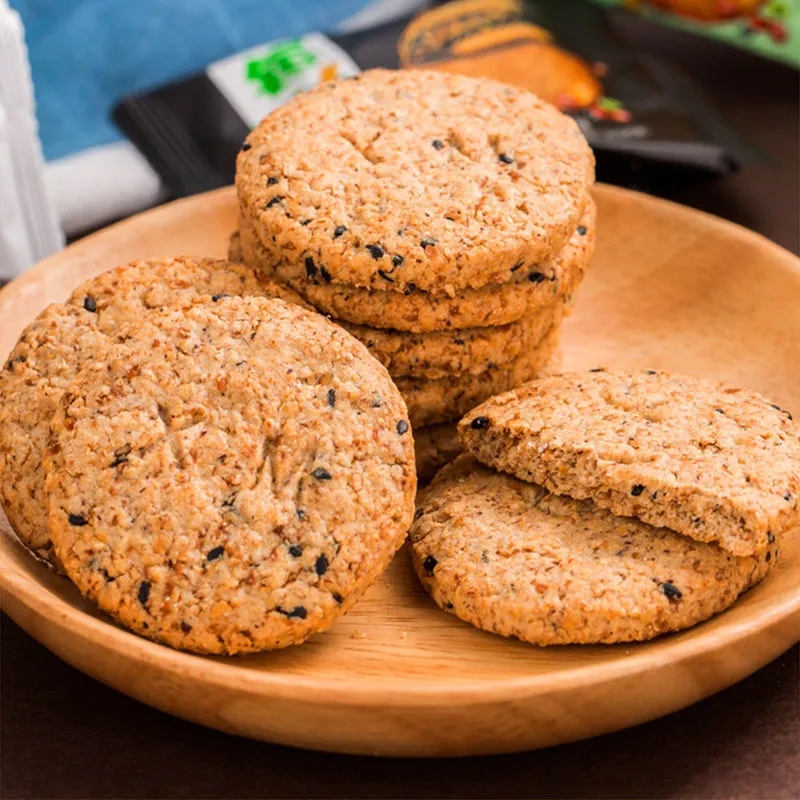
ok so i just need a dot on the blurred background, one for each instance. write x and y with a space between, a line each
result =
108 108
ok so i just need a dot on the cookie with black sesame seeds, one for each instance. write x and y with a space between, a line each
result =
230 477
432 401
712 462
62 338
422 312
434 446
511 558
125 292
444 354
344 178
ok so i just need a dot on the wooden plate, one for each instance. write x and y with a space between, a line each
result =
669 287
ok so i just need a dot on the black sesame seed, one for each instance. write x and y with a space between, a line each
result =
300 513
637 490
305 222
119 460
505 158
448 606
321 565
275 200
787 497
581 230
671 591
325 275
782 410
518 265
386 276
376 251
479 423
337 597
423 243
438 144
397 261
418 513
186 627
720 411
338 231
217 297
377 402
144 593
78 520
89 303
429 564
402 427
311 269
536 277
271 181
246 146
321 474
650 372
295 551
698 521
410 289
215 553
331 397
298 612
597 369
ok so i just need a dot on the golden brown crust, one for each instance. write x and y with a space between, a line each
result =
511 558
231 477
413 178
494 304
715 463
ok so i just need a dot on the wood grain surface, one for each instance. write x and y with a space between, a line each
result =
396 676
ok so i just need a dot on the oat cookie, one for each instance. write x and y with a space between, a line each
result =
62 338
121 294
511 558
434 446
396 179
446 354
714 463
232 477
447 399
422 312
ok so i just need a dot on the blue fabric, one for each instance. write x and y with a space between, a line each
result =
86 54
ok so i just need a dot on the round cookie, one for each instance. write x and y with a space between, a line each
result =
445 354
447 399
413 178
231 477
121 294
434 446
511 558
714 463
494 304
62 338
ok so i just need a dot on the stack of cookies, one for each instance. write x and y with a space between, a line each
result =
219 470
445 221
608 506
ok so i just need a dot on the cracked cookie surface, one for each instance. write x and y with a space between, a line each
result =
414 178
63 338
231 477
511 558
715 463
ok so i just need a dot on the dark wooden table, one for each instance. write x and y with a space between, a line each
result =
62 735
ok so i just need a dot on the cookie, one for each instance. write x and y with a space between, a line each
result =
447 399
714 463
494 304
231 477
62 338
414 179
434 446
120 295
511 558
445 354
